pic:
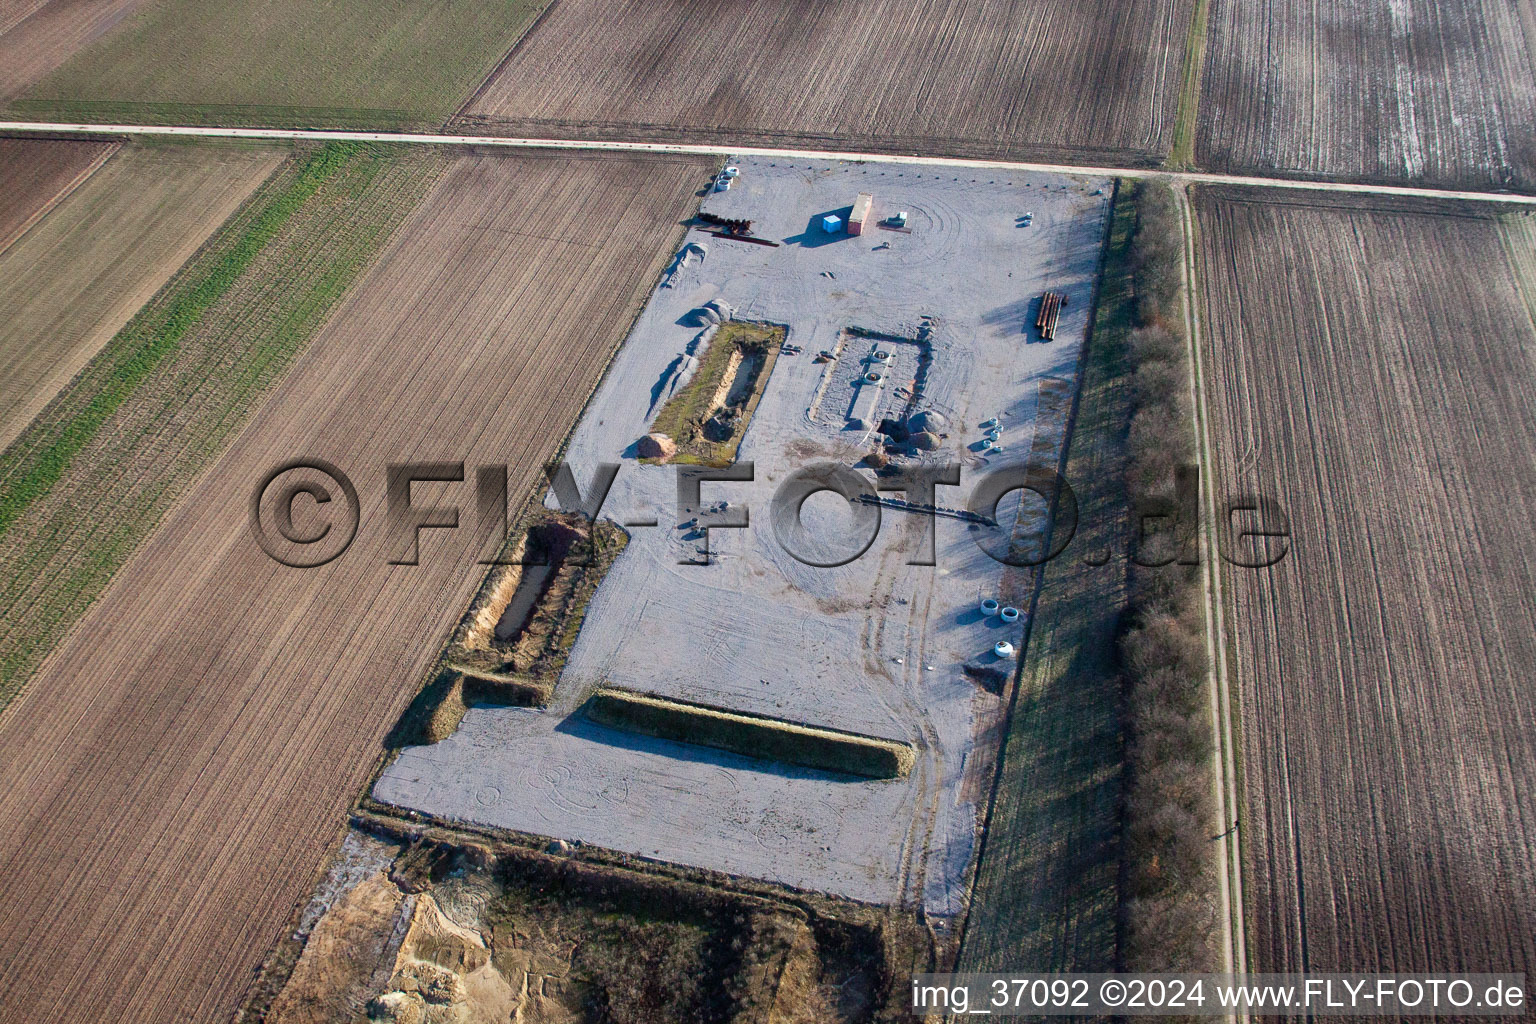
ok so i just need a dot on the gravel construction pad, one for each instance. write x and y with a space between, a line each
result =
875 646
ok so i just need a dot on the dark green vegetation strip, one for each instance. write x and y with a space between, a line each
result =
1181 156
1047 885
220 115
95 472
750 735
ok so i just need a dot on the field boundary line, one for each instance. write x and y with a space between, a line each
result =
703 149
37 215
1235 945
485 82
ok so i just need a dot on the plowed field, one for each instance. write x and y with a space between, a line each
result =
83 270
957 77
1372 370
1435 91
38 173
36 36
92 475
174 774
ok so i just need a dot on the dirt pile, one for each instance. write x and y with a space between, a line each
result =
704 420
444 975
471 933
656 446
511 645
347 952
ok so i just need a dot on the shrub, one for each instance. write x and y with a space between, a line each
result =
1163 642
1156 344
1168 933
1167 908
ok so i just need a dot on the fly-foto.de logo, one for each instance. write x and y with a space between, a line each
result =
306 513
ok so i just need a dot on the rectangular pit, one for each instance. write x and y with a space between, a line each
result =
758 736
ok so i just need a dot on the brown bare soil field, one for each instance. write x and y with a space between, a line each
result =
82 271
93 474
36 36
1371 368
1441 92
39 173
957 77
175 772
1520 241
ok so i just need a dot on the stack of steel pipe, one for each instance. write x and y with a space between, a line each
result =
1050 314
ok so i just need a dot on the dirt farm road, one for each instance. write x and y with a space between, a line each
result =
1227 784
683 149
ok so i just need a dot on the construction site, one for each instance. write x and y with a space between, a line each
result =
790 696
751 657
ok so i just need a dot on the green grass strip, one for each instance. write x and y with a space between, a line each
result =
1181 156
153 342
